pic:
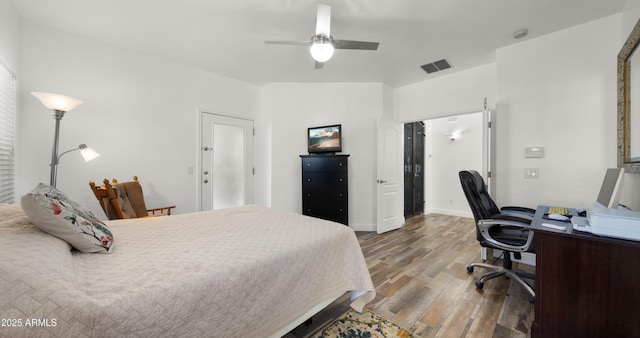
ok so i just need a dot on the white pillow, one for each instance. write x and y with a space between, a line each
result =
56 214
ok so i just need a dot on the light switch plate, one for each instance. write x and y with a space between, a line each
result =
534 152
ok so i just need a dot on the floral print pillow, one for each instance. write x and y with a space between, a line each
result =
56 214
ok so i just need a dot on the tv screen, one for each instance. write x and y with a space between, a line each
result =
326 139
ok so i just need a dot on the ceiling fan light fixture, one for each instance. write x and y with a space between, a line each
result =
321 48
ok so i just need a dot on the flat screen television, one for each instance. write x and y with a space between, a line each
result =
325 139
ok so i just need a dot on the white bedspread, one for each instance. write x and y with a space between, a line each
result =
241 272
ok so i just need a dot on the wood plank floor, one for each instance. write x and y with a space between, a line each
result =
422 284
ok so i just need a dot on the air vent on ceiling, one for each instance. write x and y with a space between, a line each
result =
436 66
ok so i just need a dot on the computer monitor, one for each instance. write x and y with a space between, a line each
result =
611 189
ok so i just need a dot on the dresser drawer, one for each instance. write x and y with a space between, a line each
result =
324 164
330 212
324 182
328 196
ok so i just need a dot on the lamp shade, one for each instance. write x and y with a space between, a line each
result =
57 102
321 50
88 153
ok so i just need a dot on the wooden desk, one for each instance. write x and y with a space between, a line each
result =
586 285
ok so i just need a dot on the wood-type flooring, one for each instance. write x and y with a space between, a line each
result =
419 272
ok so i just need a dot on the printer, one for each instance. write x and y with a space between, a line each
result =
606 217
610 222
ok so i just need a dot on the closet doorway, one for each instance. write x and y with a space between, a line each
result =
413 169
435 150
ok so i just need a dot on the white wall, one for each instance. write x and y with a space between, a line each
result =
294 107
568 77
457 93
630 16
10 28
445 158
558 91
140 113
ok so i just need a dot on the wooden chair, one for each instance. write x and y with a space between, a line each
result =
125 200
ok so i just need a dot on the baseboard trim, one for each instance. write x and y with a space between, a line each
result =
363 227
450 212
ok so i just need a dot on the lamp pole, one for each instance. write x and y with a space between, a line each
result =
60 104
57 115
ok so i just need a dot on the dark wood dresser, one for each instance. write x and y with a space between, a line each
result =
325 191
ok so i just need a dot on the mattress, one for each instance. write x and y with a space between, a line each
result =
238 272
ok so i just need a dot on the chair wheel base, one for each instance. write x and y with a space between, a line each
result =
532 299
469 269
479 285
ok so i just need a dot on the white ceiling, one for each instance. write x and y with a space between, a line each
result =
227 36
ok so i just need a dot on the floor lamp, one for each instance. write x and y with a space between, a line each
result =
60 104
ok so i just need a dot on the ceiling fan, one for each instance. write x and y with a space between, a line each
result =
322 43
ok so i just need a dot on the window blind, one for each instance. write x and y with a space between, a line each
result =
7 134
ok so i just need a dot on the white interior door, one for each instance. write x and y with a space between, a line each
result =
390 197
226 171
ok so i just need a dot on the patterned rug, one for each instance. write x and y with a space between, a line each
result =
366 324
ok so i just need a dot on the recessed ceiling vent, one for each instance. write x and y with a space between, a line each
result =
436 66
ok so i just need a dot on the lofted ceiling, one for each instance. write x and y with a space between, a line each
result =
227 37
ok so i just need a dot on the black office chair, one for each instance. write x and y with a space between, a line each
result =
506 229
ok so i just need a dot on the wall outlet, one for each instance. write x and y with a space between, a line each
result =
531 173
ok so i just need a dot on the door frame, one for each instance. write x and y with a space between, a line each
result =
488 147
198 171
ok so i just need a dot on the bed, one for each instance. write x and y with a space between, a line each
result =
241 272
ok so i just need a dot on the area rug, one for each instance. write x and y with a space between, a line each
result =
365 324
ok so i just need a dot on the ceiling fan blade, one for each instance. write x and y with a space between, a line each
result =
319 65
288 42
323 20
348 44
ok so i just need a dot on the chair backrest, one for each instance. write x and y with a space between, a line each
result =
481 203
121 200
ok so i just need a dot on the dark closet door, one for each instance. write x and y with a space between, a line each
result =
413 169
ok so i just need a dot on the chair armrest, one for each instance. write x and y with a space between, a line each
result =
161 210
516 217
485 224
512 209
